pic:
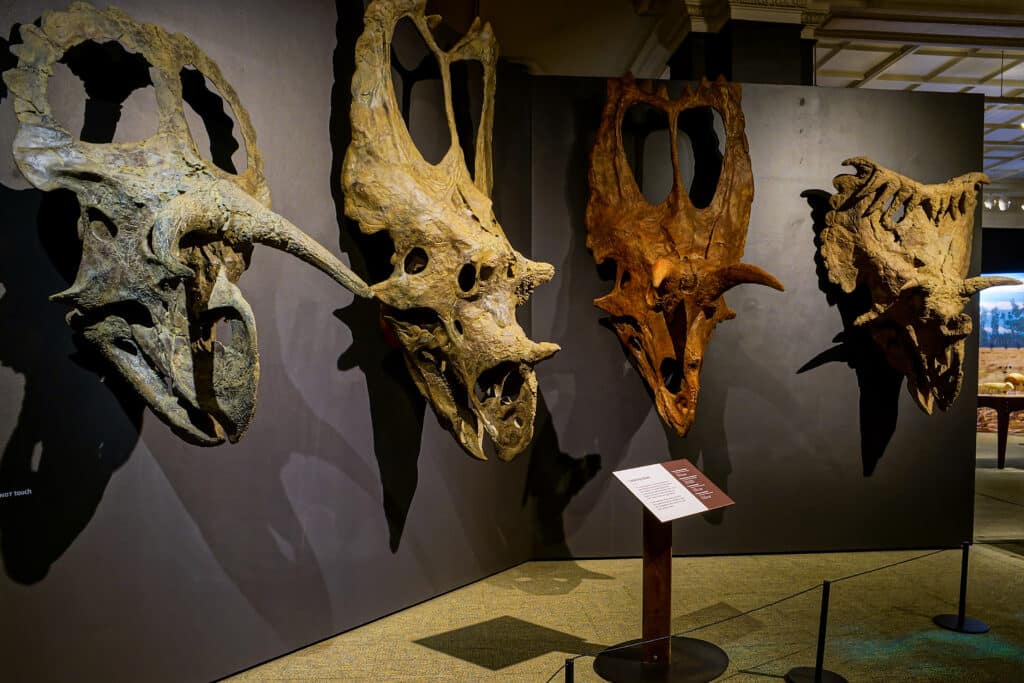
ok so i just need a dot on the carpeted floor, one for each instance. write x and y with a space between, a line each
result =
522 624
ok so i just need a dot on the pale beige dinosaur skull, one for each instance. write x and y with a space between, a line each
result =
456 282
165 235
908 246
674 261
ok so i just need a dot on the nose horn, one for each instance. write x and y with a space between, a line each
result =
230 213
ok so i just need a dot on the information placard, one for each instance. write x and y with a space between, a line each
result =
674 489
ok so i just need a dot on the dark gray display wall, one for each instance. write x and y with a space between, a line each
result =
785 444
138 557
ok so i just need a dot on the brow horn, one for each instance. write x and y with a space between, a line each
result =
718 282
973 285
242 219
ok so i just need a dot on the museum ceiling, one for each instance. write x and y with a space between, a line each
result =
972 46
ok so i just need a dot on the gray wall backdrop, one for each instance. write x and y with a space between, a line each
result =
785 446
140 557
183 563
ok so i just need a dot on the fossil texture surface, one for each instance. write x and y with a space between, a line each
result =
456 281
673 260
165 234
907 247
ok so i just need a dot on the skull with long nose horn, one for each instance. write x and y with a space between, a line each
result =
456 281
908 246
674 261
165 234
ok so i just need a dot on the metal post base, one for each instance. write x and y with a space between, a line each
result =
693 661
952 623
806 674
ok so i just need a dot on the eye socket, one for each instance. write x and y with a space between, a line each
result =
467 277
100 226
416 260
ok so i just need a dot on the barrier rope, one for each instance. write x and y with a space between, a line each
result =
748 612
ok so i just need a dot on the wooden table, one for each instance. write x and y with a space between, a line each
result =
1004 404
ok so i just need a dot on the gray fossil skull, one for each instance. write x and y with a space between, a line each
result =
456 281
908 245
165 235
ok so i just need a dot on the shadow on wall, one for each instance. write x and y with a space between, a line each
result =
77 424
553 479
588 357
396 406
879 383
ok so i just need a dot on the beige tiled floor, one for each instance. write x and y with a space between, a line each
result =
520 625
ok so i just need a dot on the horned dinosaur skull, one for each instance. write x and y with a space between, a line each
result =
908 245
165 235
456 282
673 261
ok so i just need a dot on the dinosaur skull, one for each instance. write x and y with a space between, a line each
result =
674 261
908 245
456 282
165 235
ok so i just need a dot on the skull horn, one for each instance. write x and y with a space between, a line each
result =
236 217
973 285
718 282
663 269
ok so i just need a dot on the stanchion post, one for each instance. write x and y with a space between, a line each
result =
569 674
960 622
819 674
961 614
819 662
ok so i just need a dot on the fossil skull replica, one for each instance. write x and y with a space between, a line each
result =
456 282
908 245
674 261
165 235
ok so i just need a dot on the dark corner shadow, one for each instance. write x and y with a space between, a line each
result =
879 383
553 478
396 406
77 422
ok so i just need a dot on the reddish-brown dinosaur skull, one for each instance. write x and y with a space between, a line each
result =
165 234
674 261
908 245
456 281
